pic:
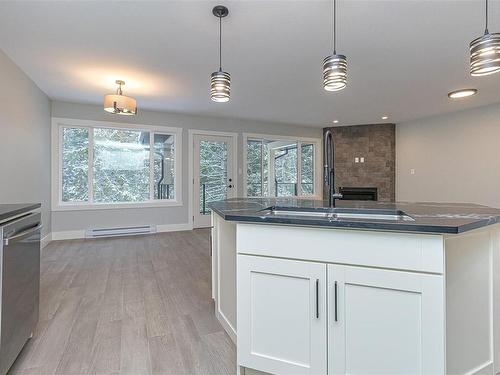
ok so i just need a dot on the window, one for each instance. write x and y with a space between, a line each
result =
75 163
275 167
103 165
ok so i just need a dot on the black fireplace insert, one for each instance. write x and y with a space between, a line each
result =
359 193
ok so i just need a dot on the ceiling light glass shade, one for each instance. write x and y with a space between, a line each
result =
120 104
334 72
485 55
463 93
220 86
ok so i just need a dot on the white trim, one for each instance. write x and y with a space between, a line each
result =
45 240
70 122
318 148
117 206
191 134
56 162
173 227
68 235
280 137
226 325
213 132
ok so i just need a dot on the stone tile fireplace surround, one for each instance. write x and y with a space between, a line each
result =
375 145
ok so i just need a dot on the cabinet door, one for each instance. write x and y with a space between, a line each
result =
282 315
385 322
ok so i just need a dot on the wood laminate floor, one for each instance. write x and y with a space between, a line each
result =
128 305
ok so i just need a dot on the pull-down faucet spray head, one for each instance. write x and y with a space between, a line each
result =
327 149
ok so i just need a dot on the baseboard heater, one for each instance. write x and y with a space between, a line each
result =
123 231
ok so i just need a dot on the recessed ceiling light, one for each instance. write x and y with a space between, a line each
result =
385 117
463 93
335 121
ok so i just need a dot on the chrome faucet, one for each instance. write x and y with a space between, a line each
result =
329 173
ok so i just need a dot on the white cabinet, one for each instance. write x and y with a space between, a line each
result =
406 303
282 323
384 322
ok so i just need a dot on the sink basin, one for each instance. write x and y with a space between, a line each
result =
338 213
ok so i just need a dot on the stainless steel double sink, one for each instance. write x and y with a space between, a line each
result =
333 213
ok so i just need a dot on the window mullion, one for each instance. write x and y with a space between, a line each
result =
60 162
262 168
299 168
151 166
90 173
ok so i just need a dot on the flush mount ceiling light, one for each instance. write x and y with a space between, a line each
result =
463 93
485 52
335 121
120 104
385 117
334 66
220 81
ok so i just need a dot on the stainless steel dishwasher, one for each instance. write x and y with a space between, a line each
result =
20 283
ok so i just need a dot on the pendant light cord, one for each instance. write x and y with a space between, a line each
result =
220 44
334 27
486 27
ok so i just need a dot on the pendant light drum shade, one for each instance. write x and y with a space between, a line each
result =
220 86
485 51
334 72
485 55
335 65
120 104
220 81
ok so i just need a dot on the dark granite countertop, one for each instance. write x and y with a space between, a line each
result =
452 218
9 210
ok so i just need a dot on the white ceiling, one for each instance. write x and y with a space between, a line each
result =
404 56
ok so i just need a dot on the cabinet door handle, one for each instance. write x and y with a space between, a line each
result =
335 299
317 299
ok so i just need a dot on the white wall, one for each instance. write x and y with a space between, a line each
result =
63 221
24 140
456 158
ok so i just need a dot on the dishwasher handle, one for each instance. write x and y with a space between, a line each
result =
22 234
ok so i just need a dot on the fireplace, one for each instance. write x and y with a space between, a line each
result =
359 193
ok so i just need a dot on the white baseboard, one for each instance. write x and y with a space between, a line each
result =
79 234
68 235
173 227
226 325
46 240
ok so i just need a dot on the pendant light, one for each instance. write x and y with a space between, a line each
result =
220 81
334 66
485 52
120 104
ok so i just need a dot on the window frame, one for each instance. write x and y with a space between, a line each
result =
317 142
56 155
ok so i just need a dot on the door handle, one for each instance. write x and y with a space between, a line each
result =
335 301
317 299
22 234
230 186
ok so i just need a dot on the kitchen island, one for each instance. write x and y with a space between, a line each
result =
365 288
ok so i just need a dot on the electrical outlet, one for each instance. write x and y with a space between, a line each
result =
356 160
412 171
362 160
